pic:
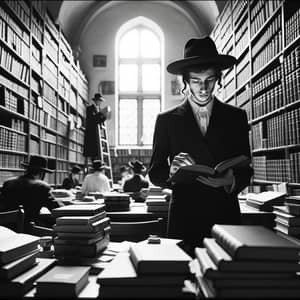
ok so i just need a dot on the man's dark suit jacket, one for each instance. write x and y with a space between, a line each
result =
69 183
33 194
135 184
196 207
93 118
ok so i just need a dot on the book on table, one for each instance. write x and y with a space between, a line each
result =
254 242
80 220
62 281
78 210
189 173
15 245
286 229
265 200
285 217
159 259
84 236
225 263
292 209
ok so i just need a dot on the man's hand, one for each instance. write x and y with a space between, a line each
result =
223 180
180 160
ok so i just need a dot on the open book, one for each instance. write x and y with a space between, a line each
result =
189 173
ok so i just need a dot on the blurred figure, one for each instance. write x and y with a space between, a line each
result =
125 173
135 184
97 181
72 181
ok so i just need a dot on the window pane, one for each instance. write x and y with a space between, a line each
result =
151 77
128 122
150 44
129 44
151 108
128 77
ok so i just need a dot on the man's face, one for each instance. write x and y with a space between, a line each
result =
202 85
75 176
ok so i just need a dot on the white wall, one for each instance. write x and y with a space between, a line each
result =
99 38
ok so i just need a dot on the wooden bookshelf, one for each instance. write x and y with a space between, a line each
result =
265 82
43 92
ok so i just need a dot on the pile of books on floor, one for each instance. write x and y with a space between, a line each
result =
19 265
265 200
287 219
82 231
116 201
157 203
146 271
247 261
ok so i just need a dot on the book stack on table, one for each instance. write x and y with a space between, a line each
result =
116 201
288 216
82 231
247 261
146 271
19 265
157 203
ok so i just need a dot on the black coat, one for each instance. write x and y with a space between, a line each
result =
32 193
69 183
195 207
93 119
134 186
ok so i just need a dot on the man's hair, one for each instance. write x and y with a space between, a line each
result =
201 68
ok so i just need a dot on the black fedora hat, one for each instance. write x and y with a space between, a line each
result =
98 97
75 169
98 165
37 163
201 52
137 166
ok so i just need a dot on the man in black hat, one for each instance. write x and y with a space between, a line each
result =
72 181
137 182
94 117
97 181
30 191
201 130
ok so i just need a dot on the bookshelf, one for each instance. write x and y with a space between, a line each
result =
43 92
264 36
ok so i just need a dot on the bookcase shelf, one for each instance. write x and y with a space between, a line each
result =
271 93
36 100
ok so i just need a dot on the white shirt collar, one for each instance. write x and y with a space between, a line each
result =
197 108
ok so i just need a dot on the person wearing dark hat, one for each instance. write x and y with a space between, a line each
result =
94 117
31 191
97 181
201 130
72 181
135 184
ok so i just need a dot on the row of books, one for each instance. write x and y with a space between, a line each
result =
11 161
269 101
270 50
268 34
266 80
48 149
49 93
50 45
64 86
260 12
11 140
292 61
62 152
50 75
241 38
238 8
247 260
278 170
243 75
14 65
292 30
18 125
19 263
13 86
37 27
14 41
295 167
21 9
293 86
14 25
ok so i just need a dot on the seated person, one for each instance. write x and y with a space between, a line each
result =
72 181
135 184
125 174
30 191
97 181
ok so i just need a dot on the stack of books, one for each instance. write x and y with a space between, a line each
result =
157 203
116 201
287 219
146 271
247 261
82 231
62 281
19 265
265 200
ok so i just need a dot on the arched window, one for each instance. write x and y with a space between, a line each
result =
139 81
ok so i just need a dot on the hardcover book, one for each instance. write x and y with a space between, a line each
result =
84 236
159 259
78 210
191 172
80 220
62 281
